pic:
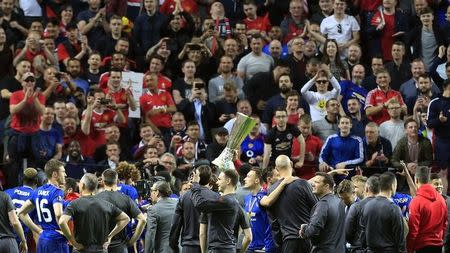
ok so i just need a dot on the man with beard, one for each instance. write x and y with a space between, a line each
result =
326 226
117 62
353 88
263 85
215 85
285 85
74 71
354 56
76 164
255 61
411 89
359 119
279 140
393 128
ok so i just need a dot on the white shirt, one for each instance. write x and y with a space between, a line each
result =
330 28
30 8
317 100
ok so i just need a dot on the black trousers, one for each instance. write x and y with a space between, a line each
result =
295 246
118 249
430 249
191 249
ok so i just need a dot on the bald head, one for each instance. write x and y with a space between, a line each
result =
283 163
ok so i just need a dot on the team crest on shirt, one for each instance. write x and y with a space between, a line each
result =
124 97
250 145
289 136
163 99
105 117
59 198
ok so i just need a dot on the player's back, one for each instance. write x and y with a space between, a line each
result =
19 195
43 199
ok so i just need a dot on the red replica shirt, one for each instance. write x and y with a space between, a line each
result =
387 40
377 97
29 56
98 123
64 54
260 23
164 83
88 145
293 31
189 6
28 119
121 98
161 99
103 81
313 146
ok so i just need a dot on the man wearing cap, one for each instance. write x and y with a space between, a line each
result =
214 149
26 107
21 194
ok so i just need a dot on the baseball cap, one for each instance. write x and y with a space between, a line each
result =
27 75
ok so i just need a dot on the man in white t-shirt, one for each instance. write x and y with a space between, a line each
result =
339 26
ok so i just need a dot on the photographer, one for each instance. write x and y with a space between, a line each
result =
100 112
53 89
197 108
147 166
201 56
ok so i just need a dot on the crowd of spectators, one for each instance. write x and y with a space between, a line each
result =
351 88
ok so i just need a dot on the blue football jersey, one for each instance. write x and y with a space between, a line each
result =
43 199
402 200
128 190
18 196
261 230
